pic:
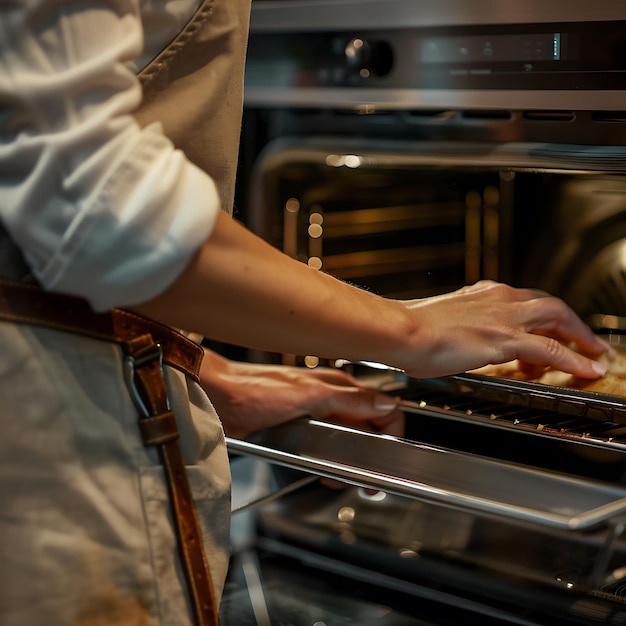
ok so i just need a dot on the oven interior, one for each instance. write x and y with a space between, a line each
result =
412 218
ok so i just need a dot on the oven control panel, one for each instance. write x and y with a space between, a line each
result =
578 65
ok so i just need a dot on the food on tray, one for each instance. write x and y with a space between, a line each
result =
613 382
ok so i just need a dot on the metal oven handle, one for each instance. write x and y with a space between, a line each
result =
448 478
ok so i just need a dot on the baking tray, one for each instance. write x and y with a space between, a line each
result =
575 402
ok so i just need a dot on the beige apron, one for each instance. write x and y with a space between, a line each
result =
85 533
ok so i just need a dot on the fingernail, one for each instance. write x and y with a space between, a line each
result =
599 368
384 403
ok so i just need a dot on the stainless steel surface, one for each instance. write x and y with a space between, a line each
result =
301 590
580 246
602 282
515 155
329 15
468 482
373 100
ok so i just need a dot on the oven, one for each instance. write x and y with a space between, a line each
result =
412 147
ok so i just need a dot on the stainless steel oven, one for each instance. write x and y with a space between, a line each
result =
411 147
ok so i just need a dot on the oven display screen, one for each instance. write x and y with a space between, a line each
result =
493 48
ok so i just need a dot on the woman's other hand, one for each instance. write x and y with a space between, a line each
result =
251 396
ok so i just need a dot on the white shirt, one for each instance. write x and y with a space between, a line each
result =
99 207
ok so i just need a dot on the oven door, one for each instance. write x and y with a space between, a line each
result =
420 535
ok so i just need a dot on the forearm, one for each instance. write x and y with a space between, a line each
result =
240 290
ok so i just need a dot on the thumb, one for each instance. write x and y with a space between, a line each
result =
361 407
382 403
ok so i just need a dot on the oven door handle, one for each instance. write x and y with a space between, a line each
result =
445 477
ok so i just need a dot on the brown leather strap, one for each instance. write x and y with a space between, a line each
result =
145 344
28 304
158 427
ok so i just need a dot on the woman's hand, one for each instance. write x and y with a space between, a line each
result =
250 396
491 322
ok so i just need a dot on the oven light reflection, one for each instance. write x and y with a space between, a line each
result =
347 160
352 47
315 231
569 584
292 205
346 514
311 361
371 494
407 553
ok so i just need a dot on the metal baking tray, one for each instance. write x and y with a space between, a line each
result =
575 402
449 478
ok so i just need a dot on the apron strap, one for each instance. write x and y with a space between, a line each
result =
158 427
29 304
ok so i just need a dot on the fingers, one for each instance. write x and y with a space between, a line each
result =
544 352
356 401
391 423
345 400
359 407
550 325
551 316
545 325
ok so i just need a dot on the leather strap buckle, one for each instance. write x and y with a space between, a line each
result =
150 353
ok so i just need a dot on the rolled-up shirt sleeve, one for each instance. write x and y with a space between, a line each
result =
99 207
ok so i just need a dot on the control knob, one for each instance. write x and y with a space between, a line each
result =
369 58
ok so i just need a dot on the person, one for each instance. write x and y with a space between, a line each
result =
120 123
